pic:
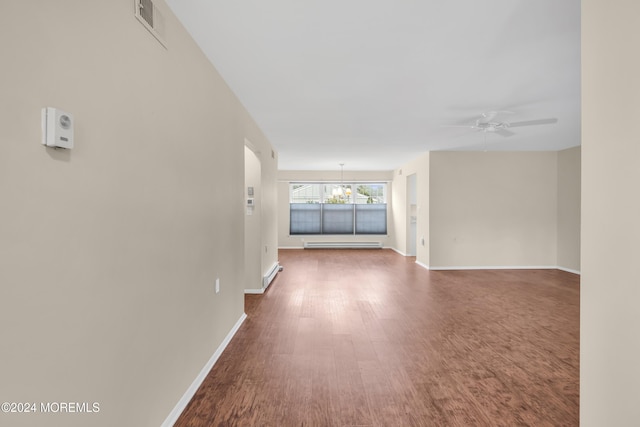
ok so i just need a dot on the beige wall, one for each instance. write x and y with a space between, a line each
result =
285 177
401 207
610 288
268 206
252 221
261 227
398 227
569 209
493 209
475 209
109 252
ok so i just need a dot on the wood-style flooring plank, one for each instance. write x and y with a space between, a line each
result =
368 338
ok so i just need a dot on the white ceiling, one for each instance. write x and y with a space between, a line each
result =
373 83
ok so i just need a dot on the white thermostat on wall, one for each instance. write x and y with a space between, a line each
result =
57 128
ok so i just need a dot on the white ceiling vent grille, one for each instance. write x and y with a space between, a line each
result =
150 16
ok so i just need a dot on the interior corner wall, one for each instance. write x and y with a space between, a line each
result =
610 289
493 209
261 227
399 212
569 209
419 167
109 251
252 221
268 203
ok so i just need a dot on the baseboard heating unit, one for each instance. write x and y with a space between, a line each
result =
268 278
342 245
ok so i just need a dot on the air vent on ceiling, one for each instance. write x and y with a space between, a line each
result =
150 16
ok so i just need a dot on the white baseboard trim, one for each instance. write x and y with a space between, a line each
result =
423 265
396 250
188 395
497 267
568 270
501 267
254 291
290 247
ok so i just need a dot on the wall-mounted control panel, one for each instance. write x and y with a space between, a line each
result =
57 128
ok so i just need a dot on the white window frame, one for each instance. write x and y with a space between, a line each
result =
349 199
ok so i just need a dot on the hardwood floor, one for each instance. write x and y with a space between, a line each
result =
368 338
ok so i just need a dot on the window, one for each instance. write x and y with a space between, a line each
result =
336 208
371 193
306 218
371 219
306 193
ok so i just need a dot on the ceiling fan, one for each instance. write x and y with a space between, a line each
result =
488 122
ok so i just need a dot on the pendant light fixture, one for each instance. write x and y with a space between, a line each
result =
341 179
337 192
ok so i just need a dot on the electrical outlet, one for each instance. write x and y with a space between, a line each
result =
217 285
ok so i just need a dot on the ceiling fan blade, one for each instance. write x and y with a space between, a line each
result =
533 122
488 116
504 132
491 115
